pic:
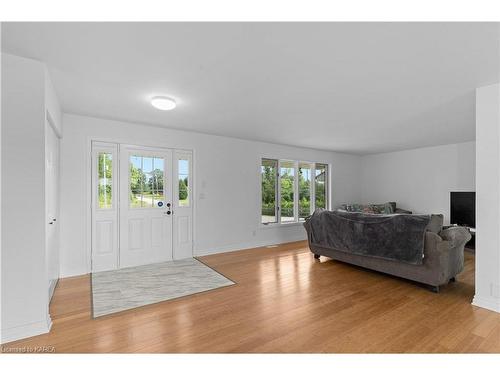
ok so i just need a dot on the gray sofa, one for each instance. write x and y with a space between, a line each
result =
443 255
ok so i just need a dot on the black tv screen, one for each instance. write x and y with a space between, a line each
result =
463 208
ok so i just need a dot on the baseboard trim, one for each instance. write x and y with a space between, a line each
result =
243 246
217 250
26 330
488 303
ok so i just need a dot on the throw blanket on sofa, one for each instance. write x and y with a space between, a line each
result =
395 237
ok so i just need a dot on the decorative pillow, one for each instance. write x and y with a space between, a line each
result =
436 223
393 205
354 207
385 209
368 209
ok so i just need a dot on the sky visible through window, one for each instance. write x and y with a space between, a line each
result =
183 167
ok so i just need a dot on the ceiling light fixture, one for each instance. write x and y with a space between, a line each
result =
163 103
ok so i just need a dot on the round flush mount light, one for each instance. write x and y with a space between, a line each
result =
163 103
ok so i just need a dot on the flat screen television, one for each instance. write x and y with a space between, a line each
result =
463 208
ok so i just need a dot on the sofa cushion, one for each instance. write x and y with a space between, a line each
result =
436 223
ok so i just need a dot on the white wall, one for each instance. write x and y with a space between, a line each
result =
419 180
226 219
488 198
52 104
24 301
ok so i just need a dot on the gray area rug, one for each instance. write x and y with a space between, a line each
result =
127 288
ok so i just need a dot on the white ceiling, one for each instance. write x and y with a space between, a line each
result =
353 87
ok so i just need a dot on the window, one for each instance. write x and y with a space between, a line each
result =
183 172
146 181
105 180
305 172
287 193
320 186
292 190
269 181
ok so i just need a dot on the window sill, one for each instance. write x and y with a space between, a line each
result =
281 225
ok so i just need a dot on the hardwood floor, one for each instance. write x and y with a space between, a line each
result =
284 301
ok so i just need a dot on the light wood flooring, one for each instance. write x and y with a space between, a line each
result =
284 301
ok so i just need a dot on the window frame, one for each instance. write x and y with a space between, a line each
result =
312 186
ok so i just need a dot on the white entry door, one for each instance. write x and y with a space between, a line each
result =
142 205
146 200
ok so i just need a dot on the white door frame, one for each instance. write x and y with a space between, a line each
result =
50 126
88 186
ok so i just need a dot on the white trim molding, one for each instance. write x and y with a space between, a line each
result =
489 303
245 246
26 330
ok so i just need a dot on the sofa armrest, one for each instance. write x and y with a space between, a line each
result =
437 258
307 227
456 238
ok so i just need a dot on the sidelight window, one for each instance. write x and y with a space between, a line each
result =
105 180
184 183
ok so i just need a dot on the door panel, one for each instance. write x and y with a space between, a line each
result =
145 205
104 235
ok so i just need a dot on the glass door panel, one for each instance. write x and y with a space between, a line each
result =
146 181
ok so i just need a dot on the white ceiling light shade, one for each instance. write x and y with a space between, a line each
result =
163 103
